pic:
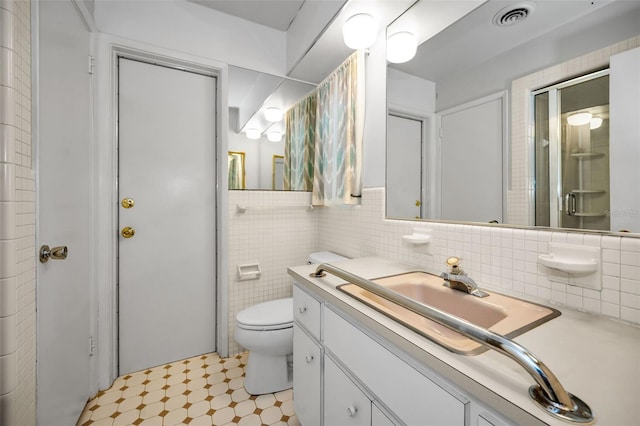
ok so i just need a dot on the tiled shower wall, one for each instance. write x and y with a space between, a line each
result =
277 230
17 219
501 258
521 194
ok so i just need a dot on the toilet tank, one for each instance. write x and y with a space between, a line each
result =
325 257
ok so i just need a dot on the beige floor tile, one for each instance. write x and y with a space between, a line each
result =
196 383
126 418
202 421
153 396
284 395
129 403
265 401
103 411
178 389
132 391
175 402
198 409
151 410
234 372
176 416
221 401
252 420
245 408
218 389
108 421
153 421
271 415
223 416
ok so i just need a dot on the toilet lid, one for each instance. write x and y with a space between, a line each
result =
275 314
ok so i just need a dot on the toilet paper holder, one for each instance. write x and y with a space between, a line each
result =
249 271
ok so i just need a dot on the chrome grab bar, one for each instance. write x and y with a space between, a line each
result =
549 393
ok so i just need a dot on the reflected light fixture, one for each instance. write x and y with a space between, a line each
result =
274 136
401 47
273 114
595 123
579 119
253 133
360 31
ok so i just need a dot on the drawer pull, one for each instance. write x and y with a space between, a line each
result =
352 411
309 358
302 309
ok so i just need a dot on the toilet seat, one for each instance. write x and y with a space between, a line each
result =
272 315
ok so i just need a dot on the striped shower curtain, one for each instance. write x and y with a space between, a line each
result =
300 125
338 135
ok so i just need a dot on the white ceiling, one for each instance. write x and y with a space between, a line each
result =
277 14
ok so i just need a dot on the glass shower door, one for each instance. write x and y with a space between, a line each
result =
572 153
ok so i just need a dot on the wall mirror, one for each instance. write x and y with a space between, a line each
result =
257 103
451 153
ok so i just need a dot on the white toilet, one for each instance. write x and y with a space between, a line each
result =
266 330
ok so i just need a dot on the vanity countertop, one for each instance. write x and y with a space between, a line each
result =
595 358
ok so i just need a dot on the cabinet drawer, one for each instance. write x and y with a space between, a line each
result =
307 357
412 397
344 402
306 310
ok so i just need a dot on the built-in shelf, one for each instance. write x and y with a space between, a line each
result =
588 191
584 214
582 264
587 155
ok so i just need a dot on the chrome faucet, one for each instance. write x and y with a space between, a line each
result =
457 279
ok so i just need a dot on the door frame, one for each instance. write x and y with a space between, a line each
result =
105 206
427 150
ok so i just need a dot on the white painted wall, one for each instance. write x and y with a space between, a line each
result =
197 30
408 93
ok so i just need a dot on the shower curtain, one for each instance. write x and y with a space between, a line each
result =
300 125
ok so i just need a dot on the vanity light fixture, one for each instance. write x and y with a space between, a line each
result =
595 123
274 136
579 119
273 114
401 47
360 31
253 133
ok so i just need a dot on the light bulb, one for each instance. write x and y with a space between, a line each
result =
579 119
273 114
595 123
274 136
360 31
401 47
253 133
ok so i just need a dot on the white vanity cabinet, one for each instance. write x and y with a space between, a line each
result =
346 376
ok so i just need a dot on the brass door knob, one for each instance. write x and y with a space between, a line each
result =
128 232
127 203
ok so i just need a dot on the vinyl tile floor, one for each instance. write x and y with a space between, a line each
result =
204 390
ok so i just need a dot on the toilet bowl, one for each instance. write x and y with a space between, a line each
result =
266 331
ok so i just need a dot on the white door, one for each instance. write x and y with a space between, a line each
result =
64 202
404 167
166 282
471 162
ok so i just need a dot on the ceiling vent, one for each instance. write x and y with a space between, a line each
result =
513 14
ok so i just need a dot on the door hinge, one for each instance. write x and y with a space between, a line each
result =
92 346
92 64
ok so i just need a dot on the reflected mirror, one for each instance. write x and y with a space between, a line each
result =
257 104
465 141
236 170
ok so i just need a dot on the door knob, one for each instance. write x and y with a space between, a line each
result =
128 232
418 203
127 203
58 253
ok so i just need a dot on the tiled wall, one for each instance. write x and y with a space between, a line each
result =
501 258
520 197
277 231
17 219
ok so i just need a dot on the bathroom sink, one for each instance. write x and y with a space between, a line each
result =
501 314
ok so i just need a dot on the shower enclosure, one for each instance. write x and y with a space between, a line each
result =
571 142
